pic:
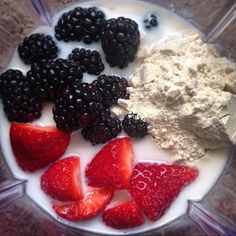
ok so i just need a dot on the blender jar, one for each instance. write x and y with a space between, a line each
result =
23 217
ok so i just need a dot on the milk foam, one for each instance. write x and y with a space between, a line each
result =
210 167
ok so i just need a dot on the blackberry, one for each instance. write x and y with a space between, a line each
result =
80 24
49 78
89 60
111 88
78 106
102 130
120 39
150 21
37 47
19 102
134 126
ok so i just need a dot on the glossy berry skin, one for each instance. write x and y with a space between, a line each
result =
77 107
35 147
37 47
88 60
123 216
49 78
134 126
120 39
111 88
93 203
62 180
18 97
102 130
154 186
80 24
112 166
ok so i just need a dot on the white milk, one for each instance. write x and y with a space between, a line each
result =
210 167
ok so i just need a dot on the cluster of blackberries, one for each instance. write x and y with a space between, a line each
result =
120 37
77 105
86 106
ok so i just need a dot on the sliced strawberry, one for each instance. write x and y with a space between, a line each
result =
154 186
91 205
35 147
62 180
123 216
112 166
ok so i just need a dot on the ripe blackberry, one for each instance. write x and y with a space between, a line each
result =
120 39
78 106
134 126
49 78
37 47
150 21
89 60
102 130
111 88
80 24
19 102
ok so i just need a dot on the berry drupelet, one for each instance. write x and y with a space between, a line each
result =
80 24
150 21
120 39
18 99
103 129
49 78
77 107
111 88
37 47
89 60
134 126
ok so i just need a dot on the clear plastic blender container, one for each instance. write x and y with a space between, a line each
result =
21 216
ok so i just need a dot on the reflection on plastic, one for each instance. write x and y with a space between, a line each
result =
222 25
11 190
212 223
41 9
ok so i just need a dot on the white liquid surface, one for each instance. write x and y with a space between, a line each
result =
210 167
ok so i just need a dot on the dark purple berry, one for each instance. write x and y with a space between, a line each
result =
80 24
134 126
89 60
120 39
37 47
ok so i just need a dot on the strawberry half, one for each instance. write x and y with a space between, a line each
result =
123 216
155 186
62 180
91 205
112 166
35 147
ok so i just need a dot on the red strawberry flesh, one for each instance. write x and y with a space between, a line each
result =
35 147
62 180
123 216
91 205
154 186
112 166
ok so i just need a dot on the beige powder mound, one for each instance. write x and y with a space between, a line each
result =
185 91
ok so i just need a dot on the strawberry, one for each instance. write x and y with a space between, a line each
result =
62 180
154 186
125 215
91 205
35 147
112 166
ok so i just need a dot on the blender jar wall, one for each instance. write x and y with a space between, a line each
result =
17 19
